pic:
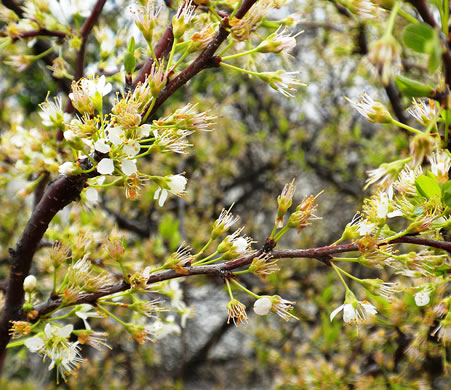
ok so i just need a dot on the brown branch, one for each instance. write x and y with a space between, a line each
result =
323 254
161 50
86 29
62 191
204 60
41 32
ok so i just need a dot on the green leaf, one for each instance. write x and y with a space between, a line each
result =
435 52
418 37
129 62
131 45
428 186
412 87
446 193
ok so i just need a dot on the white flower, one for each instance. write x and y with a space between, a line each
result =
423 111
279 41
262 306
68 168
440 164
101 146
99 86
52 113
281 81
54 344
129 167
366 227
355 313
423 297
176 185
105 166
373 111
29 284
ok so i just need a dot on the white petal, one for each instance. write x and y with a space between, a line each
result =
65 331
336 311
129 167
101 146
349 313
105 166
34 344
369 308
163 197
116 135
92 195
131 148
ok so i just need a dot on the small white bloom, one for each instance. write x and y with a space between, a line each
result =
29 284
105 166
422 298
129 167
262 306
176 185
355 313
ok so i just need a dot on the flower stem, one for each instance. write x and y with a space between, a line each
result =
246 290
406 127
244 53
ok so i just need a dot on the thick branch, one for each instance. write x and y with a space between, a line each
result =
323 254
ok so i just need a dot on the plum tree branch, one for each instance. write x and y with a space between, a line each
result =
323 254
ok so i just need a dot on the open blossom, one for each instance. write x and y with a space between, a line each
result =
373 111
367 9
440 163
282 81
52 113
242 27
354 312
263 266
424 111
68 168
182 18
279 41
176 184
386 173
233 245
223 223
284 202
146 19
87 94
54 344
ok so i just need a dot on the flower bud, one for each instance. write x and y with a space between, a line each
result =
29 284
